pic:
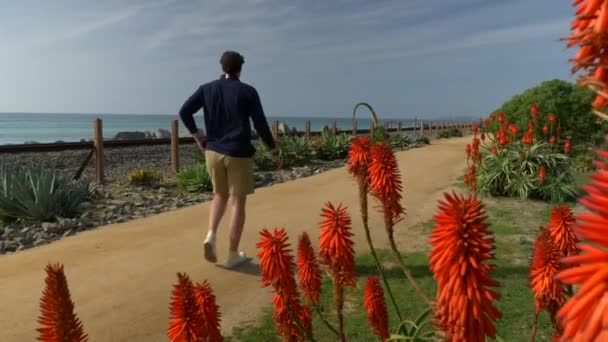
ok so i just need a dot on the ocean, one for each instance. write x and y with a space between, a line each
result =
18 128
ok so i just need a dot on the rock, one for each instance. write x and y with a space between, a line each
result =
118 203
64 224
137 135
86 205
162 134
50 227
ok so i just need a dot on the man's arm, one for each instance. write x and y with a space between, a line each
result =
259 121
192 105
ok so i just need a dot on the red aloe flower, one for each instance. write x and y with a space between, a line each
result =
552 118
359 157
501 117
545 129
309 271
560 230
513 129
534 111
385 183
549 293
186 323
336 245
494 150
277 264
541 174
474 128
57 317
567 146
209 312
492 116
461 246
486 122
468 150
584 314
553 140
373 299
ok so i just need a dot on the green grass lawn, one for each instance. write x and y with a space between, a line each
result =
514 223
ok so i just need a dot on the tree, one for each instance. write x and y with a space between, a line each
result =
570 104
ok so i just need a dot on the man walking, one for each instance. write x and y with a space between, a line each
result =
228 105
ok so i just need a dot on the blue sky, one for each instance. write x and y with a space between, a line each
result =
424 58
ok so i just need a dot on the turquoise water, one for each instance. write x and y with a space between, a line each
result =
17 128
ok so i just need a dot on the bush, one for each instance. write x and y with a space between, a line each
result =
450 133
39 195
194 178
514 172
399 140
294 151
570 104
379 134
423 140
332 147
198 155
144 177
263 158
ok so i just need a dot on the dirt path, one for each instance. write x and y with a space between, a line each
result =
120 276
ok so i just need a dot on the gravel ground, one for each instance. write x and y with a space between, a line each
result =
117 201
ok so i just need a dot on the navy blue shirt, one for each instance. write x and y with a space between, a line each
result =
228 104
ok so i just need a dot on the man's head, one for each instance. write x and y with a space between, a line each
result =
232 63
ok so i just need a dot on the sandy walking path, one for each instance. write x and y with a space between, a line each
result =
120 276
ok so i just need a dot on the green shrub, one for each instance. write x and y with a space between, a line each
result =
294 151
39 195
514 172
194 178
399 140
198 155
379 134
570 104
450 133
423 140
263 158
144 177
332 147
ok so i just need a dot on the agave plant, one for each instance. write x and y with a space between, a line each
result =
399 140
37 195
514 172
263 158
194 178
332 147
295 151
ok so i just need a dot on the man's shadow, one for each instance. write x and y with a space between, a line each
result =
248 267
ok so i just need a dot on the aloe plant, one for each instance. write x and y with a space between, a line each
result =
399 140
332 147
37 195
295 151
194 178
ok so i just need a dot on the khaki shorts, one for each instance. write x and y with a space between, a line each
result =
230 175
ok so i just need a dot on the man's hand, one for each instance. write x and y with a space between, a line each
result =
200 139
276 157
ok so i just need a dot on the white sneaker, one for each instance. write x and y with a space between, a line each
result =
209 248
235 259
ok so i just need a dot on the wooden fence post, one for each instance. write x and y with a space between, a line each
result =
275 130
307 132
386 126
355 127
399 126
334 127
98 143
175 146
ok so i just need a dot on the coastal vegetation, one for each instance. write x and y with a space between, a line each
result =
144 177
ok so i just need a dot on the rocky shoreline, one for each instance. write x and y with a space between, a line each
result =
117 201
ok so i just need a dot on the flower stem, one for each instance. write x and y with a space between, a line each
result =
364 217
339 300
533 333
296 320
320 313
404 268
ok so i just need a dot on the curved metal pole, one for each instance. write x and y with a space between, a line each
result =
372 112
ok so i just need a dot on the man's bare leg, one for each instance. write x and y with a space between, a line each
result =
216 212
238 203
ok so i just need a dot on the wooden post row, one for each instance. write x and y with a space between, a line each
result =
399 126
307 132
98 143
275 130
334 127
355 127
175 146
